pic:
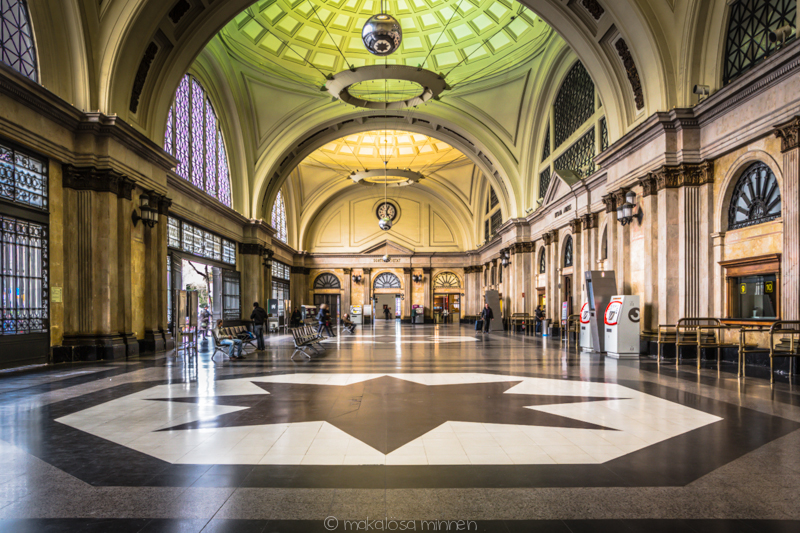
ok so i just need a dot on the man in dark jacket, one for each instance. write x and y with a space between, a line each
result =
324 319
296 318
259 317
487 316
539 317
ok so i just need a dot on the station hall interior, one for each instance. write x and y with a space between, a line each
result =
440 265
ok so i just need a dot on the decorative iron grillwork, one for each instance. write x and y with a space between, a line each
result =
327 281
544 182
446 280
281 270
279 218
195 241
387 280
497 221
194 137
493 201
16 38
574 104
546 148
756 198
23 179
24 277
568 252
542 262
579 157
487 229
748 32
603 134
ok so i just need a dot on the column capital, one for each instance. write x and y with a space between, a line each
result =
648 183
366 270
789 134
347 271
683 175
610 203
99 180
589 221
406 270
575 226
248 248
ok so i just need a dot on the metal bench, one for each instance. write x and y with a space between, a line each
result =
573 326
241 333
787 335
686 334
746 347
305 337
520 319
713 337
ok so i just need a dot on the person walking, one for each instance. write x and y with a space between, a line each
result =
386 312
259 318
296 318
228 340
323 317
539 314
487 316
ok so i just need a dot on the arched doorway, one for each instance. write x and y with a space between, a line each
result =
446 298
327 290
387 296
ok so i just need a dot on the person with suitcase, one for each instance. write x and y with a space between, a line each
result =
487 316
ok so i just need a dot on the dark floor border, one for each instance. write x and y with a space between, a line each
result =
145 525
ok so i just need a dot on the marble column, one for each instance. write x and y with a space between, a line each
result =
789 133
297 286
347 290
366 279
577 265
622 262
649 209
94 266
125 285
552 310
157 336
427 285
407 294
588 251
611 232
669 311
720 286
252 277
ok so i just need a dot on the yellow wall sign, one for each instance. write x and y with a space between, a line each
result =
743 288
55 295
769 286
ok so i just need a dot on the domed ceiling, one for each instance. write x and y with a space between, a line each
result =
307 40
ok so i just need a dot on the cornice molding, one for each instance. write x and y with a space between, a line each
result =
97 180
249 248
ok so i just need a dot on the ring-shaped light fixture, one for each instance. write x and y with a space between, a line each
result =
430 83
396 177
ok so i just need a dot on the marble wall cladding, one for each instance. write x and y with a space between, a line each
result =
357 289
754 241
638 251
138 283
418 289
56 193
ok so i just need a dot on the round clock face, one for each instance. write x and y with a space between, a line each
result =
386 209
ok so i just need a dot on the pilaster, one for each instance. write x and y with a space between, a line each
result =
408 294
347 290
252 277
649 208
789 134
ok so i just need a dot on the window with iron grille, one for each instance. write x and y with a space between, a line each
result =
231 295
603 134
497 221
493 201
546 148
17 49
280 292
604 244
280 270
574 103
544 182
756 198
387 280
24 277
23 178
279 218
579 157
446 280
568 252
194 137
487 229
749 26
542 262
198 242
327 281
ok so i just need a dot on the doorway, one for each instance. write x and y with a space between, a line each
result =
389 301
568 293
332 300
447 302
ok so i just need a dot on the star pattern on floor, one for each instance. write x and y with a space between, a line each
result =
387 412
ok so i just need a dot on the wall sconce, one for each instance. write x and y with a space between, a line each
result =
417 278
625 213
268 258
356 278
506 258
149 213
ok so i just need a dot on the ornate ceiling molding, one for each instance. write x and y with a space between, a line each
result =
432 85
593 7
394 177
631 71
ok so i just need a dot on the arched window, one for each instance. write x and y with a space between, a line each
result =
279 218
327 281
756 198
542 262
446 280
574 103
387 280
16 38
195 139
749 27
568 252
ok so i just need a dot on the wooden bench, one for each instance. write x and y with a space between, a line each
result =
784 341
305 337
520 319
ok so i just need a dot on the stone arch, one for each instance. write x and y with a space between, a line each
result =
388 280
446 274
735 172
327 280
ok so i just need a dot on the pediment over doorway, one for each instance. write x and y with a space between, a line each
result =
387 247
560 186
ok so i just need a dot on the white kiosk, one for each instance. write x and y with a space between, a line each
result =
355 315
621 322
586 328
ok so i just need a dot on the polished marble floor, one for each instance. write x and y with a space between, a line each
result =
398 428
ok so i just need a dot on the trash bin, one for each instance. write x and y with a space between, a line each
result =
545 325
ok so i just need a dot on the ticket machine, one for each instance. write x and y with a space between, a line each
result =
586 328
601 285
355 314
621 323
